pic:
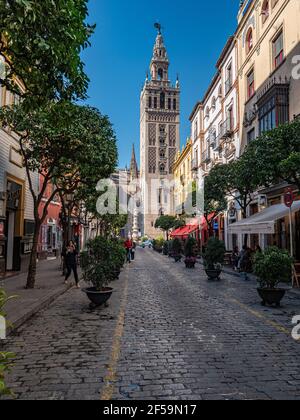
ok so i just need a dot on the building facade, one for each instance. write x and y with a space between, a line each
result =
256 88
268 39
159 137
183 178
16 203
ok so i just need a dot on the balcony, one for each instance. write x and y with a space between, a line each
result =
206 156
195 164
226 129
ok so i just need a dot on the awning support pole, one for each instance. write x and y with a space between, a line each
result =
291 233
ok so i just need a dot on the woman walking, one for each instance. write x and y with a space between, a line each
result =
71 263
128 246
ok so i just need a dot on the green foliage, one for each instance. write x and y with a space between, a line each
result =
214 254
158 243
43 40
277 154
6 358
166 223
190 247
176 247
166 247
214 193
272 267
102 261
71 146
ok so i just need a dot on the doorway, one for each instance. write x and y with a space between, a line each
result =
10 235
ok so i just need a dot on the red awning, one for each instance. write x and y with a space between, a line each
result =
178 232
184 231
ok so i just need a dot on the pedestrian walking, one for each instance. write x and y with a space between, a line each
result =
70 258
244 262
235 258
128 246
133 250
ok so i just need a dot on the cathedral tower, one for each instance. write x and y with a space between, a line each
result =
159 136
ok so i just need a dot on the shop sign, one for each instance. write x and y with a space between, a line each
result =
289 197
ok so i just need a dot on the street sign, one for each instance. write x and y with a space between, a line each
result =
289 197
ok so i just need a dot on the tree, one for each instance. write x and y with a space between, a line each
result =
67 145
42 41
277 154
166 223
214 195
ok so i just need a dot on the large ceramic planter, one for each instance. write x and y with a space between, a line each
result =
213 274
271 296
98 298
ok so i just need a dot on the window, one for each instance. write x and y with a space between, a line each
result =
162 169
169 103
213 104
251 135
230 119
228 83
250 84
155 102
162 100
162 154
265 11
195 130
278 54
249 41
160 74
150 102
174 104
273 108
207 112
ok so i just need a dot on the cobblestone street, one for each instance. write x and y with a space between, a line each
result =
168 333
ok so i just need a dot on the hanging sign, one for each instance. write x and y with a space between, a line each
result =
289 197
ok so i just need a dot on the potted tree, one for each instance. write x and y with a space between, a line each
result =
177 250
166 248
99 268
272 267
190 253
118 255
214 258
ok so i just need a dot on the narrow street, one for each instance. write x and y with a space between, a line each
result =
168 333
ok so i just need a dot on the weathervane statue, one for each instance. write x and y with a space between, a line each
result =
158 27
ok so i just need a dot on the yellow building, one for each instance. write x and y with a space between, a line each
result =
183 177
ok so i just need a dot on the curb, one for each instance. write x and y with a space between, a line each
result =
44 304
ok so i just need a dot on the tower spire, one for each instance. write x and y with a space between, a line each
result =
133 164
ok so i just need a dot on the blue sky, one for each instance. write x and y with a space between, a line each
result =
195 32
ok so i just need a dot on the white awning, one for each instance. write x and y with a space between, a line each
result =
263 222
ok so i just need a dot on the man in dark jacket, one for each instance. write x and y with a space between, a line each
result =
70 257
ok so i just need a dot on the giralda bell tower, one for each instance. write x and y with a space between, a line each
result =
159 136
